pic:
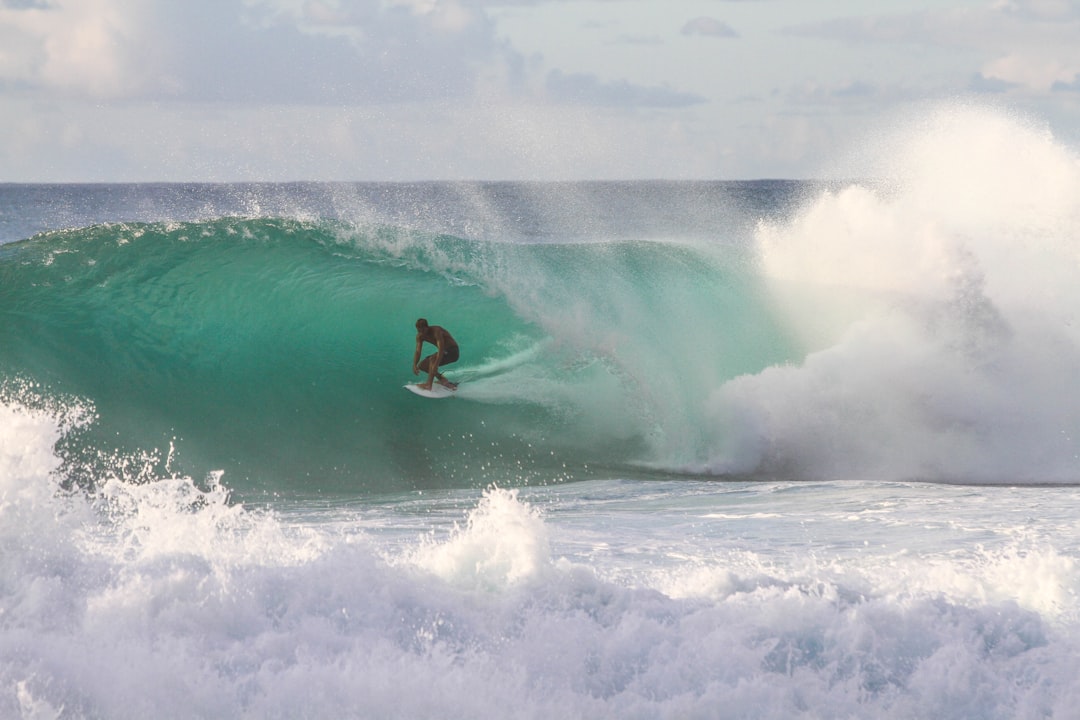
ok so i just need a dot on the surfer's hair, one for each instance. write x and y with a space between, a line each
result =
421 323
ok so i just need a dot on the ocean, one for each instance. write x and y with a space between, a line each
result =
721 449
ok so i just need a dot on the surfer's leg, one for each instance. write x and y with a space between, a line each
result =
427 367
451 355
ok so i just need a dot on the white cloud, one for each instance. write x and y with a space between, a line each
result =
1040 9
586 89
709 27
90 47
301 89
343 52
853 95
950 27
1037 48
1027 45
228 50
411 89
1033 69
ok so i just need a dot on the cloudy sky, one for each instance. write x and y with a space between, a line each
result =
223 90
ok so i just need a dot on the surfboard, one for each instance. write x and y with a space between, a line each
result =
437 391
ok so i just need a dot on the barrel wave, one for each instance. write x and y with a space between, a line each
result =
275 350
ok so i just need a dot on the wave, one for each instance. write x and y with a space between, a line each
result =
921 326
274 350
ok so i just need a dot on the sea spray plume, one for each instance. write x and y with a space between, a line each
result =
503 542
937 311
38 435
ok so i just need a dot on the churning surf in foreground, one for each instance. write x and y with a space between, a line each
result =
765 449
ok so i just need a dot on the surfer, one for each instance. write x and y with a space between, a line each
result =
446 353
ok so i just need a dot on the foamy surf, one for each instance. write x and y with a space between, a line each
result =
593 599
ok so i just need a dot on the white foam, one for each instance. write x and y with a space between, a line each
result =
502 543
26 445
938 311
163 599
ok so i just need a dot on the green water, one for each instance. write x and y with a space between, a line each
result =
275 350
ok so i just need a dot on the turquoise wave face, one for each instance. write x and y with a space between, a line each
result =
276 350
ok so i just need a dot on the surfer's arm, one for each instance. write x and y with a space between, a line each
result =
416 355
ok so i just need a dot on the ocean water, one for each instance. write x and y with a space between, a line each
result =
770 449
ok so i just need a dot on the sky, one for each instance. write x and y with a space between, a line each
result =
404 90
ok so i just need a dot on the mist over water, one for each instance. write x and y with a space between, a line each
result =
938 311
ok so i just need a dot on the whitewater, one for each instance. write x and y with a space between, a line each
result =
770 449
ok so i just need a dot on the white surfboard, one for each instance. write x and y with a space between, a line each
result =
437 391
